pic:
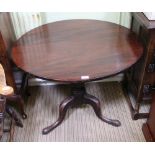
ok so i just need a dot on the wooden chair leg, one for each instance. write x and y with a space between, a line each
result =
24 86
20 102
2 110
12 130
14 116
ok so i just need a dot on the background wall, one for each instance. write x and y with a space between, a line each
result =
25 21
50 17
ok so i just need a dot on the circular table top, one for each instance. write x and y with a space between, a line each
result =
76 50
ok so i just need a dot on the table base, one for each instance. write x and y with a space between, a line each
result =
79 96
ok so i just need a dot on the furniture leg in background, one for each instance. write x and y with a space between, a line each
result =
140 77
149 127
5 108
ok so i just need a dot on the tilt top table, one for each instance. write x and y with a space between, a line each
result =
75 52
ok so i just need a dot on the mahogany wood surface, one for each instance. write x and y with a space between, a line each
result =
66 50
149 127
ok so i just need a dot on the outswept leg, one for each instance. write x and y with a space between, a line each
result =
18 99
6 108
78 96
95 103
13 114
62 112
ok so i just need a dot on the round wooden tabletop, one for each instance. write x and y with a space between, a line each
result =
76 50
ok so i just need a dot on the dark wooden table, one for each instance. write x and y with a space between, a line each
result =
75 52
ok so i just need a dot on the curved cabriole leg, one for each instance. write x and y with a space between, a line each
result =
62 112
18 99
21 106
13 114
95 103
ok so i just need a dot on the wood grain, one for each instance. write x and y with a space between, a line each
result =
66 50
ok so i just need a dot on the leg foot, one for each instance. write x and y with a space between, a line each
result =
13 114
18 99
95 103
62 112
20 102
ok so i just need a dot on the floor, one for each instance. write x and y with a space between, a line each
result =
81 124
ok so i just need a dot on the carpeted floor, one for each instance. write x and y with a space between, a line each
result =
81 124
